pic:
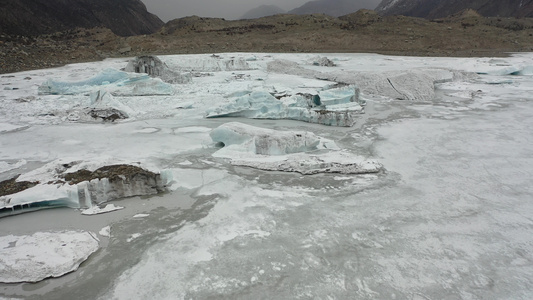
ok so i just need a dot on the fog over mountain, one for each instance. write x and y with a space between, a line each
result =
263 11
228 9
334 8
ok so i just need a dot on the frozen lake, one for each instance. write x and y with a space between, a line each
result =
450 216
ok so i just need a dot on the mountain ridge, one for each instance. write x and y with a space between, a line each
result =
35 17
434 9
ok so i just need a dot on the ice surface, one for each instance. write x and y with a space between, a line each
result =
32 258
114 81
448 217
5 166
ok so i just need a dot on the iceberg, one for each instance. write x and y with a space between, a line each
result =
287 151
213 63
154 67
339 107
32 258
339 162
264 141
79 185
116 82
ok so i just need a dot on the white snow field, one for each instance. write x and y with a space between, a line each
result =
375 177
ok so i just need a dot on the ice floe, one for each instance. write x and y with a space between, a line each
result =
32 258
96 210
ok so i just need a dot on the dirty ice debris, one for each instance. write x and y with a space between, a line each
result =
32 258
116 82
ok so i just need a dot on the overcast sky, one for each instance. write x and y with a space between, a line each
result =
229 9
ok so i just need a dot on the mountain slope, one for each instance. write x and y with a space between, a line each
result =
333 7
433 9
33 17
262 11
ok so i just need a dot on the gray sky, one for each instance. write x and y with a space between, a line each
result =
229 9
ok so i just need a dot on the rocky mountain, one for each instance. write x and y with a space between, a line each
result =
263 11
34 17
333 7
433 9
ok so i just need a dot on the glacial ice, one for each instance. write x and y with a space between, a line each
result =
114 81
287 151
32 258
336 107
